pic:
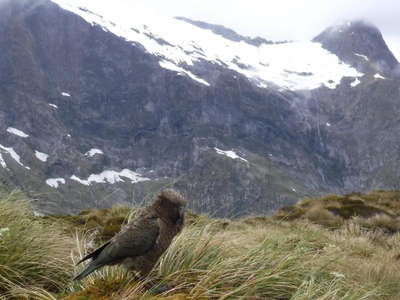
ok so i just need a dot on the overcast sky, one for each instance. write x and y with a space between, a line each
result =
278 19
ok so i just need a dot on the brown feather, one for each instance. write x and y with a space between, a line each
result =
140 244
168 206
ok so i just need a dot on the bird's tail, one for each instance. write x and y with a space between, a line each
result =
89 269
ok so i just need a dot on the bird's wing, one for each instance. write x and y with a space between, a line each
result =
135 240
94 254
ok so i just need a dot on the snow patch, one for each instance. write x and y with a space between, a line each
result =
17 132
41 156
54 182
92 152
355 82
362 56
81 181
378 76
264 86
180 46
13 155
53 105
170 66
133 176
111 177
230 154
2 162
64 94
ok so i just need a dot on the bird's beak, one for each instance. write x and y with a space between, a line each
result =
181 215
181 211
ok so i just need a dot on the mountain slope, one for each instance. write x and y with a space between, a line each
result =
184 48
97 111
227 33
360 44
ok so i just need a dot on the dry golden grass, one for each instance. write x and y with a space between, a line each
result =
263 259
319 255
378 210
34 255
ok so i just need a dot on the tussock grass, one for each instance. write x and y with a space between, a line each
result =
33 254
107 222
251 258
377 210
271 261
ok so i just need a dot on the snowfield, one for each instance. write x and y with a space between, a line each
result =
13 155
378 76
355 82
111 177
230 154
55 182
92 152
180 46
17 132
41 156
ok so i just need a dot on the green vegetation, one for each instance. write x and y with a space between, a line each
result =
106 222
334 247
34 254
379 210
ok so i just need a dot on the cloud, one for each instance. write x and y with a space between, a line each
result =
283 19
393 43
286 19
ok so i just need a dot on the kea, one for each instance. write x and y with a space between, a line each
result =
139 245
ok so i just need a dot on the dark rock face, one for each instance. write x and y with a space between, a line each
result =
72 87
364 131
353 40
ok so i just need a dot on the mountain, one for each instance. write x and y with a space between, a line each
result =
227 33
98 109
359 44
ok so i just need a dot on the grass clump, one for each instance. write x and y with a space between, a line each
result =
34 255
106 222
378 210
278 261
251 258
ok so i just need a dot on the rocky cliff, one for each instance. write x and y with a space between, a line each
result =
95 113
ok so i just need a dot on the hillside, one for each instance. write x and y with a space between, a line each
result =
100 110
279 257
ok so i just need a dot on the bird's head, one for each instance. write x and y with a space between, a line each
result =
170 206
